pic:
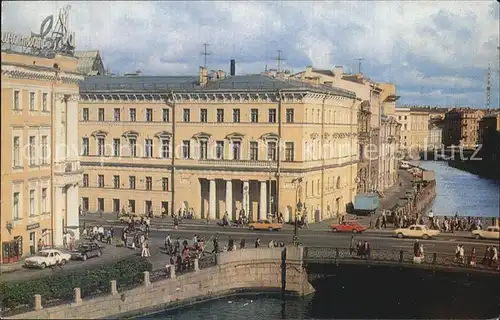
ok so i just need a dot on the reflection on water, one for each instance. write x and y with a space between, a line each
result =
360 292
463 192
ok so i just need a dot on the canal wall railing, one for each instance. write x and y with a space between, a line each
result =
214 276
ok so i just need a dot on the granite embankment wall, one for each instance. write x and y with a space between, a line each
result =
248 269
425 196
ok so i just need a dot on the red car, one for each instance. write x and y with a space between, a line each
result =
348 226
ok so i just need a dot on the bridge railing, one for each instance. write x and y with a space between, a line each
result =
332 254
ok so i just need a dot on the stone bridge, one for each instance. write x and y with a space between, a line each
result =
288 270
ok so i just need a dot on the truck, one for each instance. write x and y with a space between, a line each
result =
366 203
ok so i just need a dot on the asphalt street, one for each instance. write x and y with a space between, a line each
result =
379 240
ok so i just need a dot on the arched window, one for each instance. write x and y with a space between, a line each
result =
338 182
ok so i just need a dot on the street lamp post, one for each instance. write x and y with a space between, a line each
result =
270 185
298 209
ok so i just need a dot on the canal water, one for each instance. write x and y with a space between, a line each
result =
463 192
374 293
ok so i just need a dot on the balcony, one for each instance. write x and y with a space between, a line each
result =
239 163
70 167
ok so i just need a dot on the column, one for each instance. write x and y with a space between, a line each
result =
229 198
246 197
212 201
263 198
57 217
72 214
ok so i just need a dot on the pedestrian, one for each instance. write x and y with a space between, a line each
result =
352 245
472 259
366 250
242 243
257 243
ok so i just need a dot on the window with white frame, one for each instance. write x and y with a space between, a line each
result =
85 180
271 150
133 146
32 203
45 148
236 150
116 147
15 206
16 156
166 115
116 114
132 114
101 146
45 207
44 101
17 100
203 149
32 101
254 150
203 115
85 146
85 114
186 149
148 148
32 150
289 151
254 115
100 114
149 115
219 150
165 148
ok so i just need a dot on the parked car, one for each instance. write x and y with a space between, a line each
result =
86 250
265 225
492 232
416 231
126 217
348 226
47 258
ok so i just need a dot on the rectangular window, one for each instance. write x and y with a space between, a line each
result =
32 101
149 183
164 184
149 148
203 115
45 151
116 147
100 146
116 182
289 151
131 182
219 150
186 115
186 149
220 115
101 114
165 148
236 150
17 102
236 115
16 157
132 115
148 206
254 115
100 181
166 115
289 115
32 150
85 114
116 115
85 203
149 115
32 203
85 146
131 204
272 115
44 101
100 204
15 206
85 180
271 150
203 149
45 207
254 151
116 205
133 147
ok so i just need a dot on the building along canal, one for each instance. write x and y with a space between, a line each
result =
462 192
362 292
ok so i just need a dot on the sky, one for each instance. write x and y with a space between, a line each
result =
436 52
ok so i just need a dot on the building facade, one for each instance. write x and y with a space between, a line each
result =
248 145
404 118
462 127
419 129
40 165
390 152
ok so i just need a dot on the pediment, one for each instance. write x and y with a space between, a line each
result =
131 134
99 133
201 135
163 134
269 136
235 136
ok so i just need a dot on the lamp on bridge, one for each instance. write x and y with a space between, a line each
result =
295 227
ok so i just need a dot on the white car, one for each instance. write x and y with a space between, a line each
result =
492 233
47 258
416 231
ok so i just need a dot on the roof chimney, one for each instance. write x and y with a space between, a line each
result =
203 76
338 71
233 68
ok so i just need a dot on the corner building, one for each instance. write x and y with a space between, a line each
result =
40 165
255 143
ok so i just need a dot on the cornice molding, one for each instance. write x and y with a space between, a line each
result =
17 72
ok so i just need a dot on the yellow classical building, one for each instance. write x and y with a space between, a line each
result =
40 170
252 145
